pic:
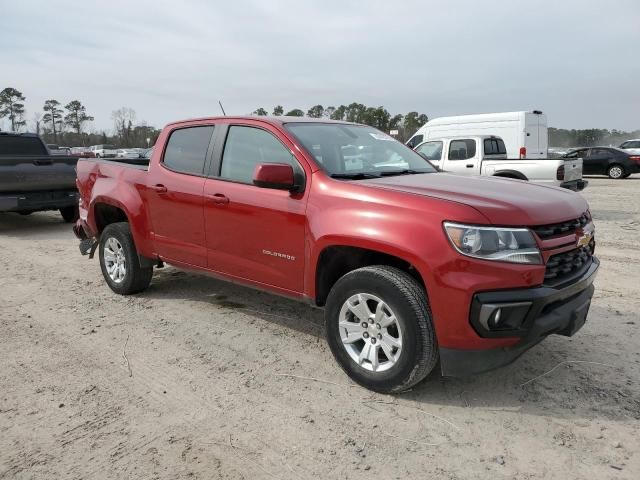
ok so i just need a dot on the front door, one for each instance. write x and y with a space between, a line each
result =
254 233
175 186
463 157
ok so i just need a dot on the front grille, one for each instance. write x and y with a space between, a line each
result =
564 266
570 226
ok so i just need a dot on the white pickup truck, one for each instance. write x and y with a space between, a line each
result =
486 155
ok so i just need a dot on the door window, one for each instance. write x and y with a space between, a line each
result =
462 149
187 150
247 147
431 150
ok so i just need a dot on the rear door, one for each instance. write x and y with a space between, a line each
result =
600 159
254 233
535 135
174 195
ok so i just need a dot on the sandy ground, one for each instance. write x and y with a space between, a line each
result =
189 379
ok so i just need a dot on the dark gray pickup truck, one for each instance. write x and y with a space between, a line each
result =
33 180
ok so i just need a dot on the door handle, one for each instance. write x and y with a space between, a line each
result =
470 165
218 199
159 188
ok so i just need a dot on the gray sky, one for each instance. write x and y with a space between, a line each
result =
578 61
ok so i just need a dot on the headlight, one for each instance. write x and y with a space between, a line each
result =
515 245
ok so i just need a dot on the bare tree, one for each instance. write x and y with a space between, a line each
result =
123 119
36 120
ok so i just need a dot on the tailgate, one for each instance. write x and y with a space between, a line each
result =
37 173
572 169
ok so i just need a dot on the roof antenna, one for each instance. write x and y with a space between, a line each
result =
222 108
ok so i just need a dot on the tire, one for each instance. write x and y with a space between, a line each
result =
403 299
616 172
116 239
70 214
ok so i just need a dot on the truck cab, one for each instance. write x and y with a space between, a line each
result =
462 156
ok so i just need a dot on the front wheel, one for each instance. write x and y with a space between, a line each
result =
616 172
119 261
379 329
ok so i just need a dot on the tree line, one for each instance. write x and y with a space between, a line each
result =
66 125
377 117
591 137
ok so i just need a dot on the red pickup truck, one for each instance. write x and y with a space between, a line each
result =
411 265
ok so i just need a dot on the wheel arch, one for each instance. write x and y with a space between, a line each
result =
511 174
336 260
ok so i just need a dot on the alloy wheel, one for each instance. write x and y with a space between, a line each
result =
370 332
115 260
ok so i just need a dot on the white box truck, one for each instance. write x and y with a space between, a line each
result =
524 133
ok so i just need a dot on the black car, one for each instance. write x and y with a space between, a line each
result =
611 161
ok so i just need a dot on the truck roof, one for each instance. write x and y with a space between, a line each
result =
281 120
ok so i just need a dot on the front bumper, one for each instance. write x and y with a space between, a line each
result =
38 201
562 311
575 185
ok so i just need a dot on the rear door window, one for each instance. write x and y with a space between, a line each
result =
187 150
462 149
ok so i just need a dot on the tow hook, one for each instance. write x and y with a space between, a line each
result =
88 246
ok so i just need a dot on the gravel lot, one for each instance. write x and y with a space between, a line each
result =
197 378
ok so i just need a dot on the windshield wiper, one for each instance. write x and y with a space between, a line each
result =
389 173
354 176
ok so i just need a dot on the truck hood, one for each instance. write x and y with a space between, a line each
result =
502 201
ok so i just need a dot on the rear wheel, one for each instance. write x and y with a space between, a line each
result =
616 172
69 214
119 261
378 326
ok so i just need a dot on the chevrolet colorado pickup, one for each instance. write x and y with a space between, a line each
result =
33 180
411 266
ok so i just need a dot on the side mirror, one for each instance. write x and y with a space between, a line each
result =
274 175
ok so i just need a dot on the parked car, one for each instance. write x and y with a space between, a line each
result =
128 153
411 266
487 156
524 133
103 151
32 179
84 152
58 150
631 146
611 161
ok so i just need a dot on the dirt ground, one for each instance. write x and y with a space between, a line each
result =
197 378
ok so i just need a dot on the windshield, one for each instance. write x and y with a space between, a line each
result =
354 151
